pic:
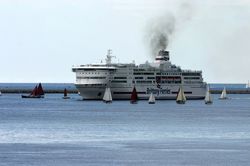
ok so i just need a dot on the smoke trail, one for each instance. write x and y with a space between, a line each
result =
160 31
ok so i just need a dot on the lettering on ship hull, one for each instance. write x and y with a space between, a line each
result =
158 91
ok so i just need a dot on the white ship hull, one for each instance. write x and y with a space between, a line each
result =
124 93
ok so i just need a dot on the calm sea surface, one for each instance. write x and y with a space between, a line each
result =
71 86
57 132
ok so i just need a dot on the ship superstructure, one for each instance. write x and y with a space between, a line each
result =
161 78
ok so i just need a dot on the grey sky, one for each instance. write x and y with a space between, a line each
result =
41 39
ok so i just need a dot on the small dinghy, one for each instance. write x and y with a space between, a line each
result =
208 97
181 99
65 94
151 99
223 95
134 96
107 97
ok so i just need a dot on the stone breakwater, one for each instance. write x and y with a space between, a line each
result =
29 91
241 91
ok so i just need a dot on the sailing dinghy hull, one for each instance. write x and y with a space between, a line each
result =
180 102
208 102
32 97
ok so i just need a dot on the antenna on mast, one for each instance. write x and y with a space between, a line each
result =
109 57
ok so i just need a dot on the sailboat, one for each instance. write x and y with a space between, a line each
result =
107 97
134 97
33 94
181 99
65 94
208 97
223 95
37 92
40 90
151 99
0 93
248 85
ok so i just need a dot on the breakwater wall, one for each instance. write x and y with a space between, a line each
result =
232 91
28 87
29 91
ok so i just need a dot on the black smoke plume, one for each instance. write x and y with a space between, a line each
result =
160 30
159 33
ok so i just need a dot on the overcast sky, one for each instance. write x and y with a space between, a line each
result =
40 40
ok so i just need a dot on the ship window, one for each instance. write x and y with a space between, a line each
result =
192 78
148 73
91 77
151 78
93 85
120 77
143 82
191 74
144 73
139 78
116 81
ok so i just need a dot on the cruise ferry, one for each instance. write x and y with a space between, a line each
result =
161 78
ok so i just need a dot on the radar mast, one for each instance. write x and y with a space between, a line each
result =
109 57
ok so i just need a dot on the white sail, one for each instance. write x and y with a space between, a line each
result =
208 97
151 99
248 85
223 94
0 93
181 98
107 95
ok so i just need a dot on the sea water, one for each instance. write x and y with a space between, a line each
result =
71 86
57 132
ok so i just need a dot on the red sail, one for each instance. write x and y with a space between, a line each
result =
34 92
40 90
65 92
134 96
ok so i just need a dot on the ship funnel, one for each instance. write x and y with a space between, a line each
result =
163 56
